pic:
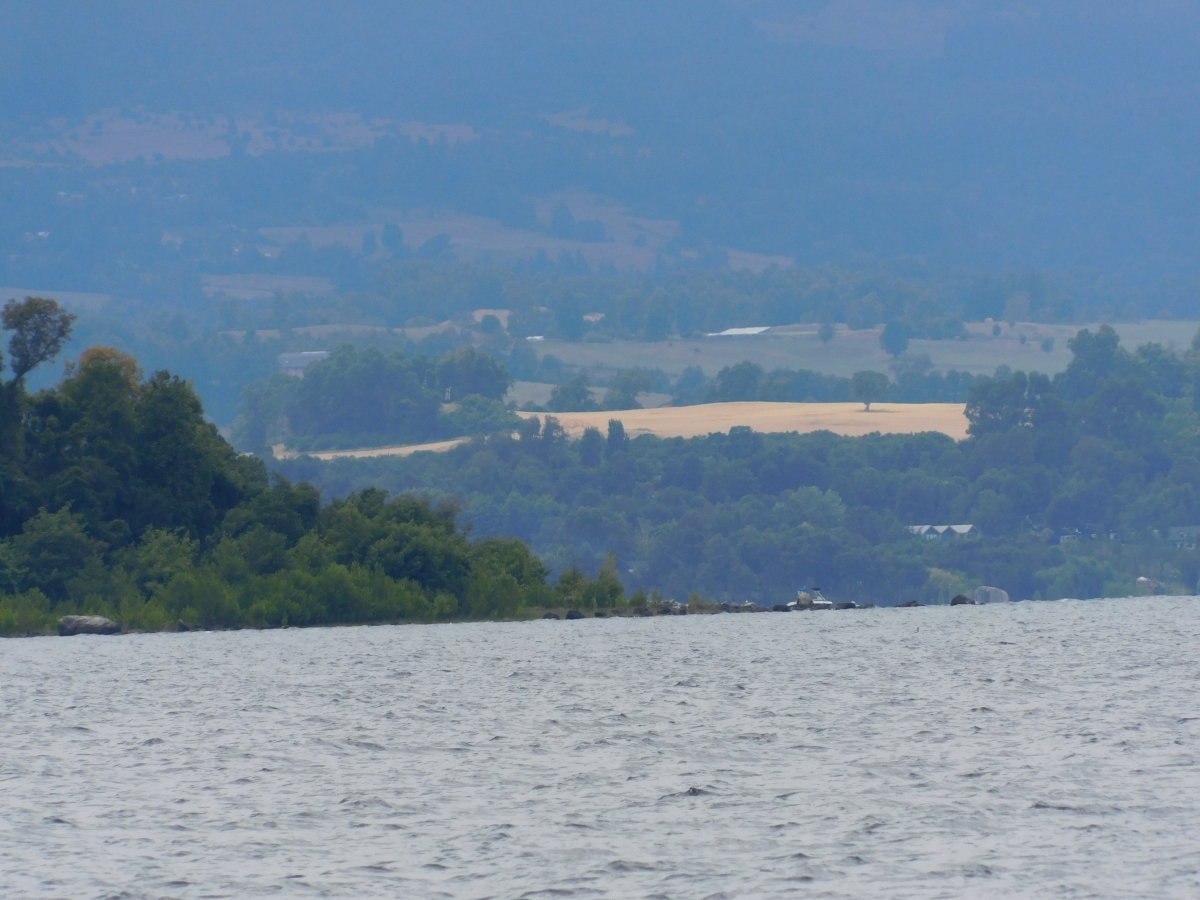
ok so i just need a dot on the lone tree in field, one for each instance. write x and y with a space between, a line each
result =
867 387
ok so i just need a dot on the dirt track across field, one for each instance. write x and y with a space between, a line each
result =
370 452
848 419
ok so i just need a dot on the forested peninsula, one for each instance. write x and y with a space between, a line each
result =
119 499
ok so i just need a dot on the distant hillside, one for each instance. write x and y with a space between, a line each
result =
1006 135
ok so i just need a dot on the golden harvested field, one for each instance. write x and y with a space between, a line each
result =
848 419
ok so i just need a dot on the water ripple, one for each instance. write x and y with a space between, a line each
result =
1032 750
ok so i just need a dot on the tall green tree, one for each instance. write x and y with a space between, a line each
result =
467 372
624 390
868 387
574 396
370 395
40 328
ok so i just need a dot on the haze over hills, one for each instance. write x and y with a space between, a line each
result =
1004 136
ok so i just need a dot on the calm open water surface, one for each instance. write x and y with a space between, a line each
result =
1023 750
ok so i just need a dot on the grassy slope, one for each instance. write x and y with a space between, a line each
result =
798 347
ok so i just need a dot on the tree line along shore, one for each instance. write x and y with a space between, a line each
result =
120 499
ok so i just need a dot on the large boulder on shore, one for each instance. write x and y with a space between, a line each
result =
69 625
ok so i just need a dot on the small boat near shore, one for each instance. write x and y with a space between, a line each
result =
809 599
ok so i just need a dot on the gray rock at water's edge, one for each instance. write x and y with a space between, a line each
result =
550 616
69 625
962 600
990 595
575 614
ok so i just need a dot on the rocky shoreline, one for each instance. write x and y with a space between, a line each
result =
69 626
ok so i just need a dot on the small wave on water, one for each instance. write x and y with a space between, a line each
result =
1031 750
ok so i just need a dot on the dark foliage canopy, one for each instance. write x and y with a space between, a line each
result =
1109 447
118 498
364 398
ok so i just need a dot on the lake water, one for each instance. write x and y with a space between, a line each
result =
1023 750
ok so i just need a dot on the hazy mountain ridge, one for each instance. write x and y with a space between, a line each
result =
1007 136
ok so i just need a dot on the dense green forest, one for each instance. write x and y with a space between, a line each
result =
118 498
369 398
1108 448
